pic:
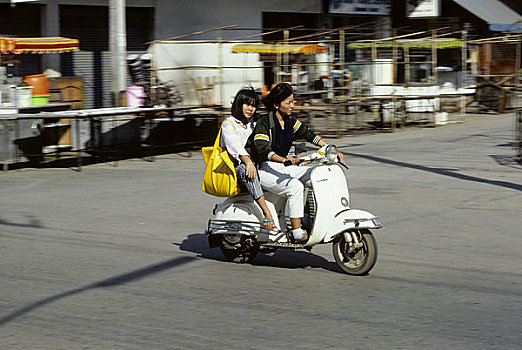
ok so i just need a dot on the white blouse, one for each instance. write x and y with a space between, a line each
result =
234 136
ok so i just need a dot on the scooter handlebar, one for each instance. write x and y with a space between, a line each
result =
289 162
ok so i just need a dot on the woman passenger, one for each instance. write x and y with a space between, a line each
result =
235 132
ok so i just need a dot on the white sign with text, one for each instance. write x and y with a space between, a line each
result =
361 7
422 8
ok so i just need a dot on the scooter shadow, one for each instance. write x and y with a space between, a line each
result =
282 258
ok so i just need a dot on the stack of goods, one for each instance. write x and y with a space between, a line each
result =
40 84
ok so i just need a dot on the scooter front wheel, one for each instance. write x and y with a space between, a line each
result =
238 249
356 260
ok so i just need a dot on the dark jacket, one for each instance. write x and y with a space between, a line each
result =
261 141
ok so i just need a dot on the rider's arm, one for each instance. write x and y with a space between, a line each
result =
302 131
309 135
278 158
261 145
322 143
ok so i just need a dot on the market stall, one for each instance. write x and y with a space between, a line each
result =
29 94
11 47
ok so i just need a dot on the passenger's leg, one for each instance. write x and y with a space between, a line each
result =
254 188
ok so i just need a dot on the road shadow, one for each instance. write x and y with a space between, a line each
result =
508 161
110 282
282 258
33 222
440 171
74 161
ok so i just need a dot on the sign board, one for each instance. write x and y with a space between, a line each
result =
361 7
422 8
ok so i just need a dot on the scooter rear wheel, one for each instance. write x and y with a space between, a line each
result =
357 261
238 249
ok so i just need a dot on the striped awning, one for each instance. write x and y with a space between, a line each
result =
426 43
37 45
280 48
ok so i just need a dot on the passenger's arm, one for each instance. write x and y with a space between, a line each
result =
232 141
250 167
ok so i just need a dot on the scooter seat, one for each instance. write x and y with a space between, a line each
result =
243 196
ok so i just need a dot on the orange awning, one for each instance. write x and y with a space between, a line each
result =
37 45
281 48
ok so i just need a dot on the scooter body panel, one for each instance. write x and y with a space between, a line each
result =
331 196
242 208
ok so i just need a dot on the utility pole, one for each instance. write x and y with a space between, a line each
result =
118 49
51 27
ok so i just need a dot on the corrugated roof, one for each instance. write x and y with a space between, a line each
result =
491 11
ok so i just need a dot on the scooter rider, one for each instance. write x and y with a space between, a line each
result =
273 138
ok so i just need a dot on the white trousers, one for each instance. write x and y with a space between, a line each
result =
287 181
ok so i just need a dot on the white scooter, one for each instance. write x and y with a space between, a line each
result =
236 225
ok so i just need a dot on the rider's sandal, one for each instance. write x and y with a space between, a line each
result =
268 221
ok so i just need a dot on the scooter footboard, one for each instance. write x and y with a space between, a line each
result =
352 219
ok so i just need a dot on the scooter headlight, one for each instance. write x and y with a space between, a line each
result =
331 153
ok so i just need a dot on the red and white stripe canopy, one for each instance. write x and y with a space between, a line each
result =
37 45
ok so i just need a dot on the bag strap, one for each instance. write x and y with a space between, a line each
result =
216 143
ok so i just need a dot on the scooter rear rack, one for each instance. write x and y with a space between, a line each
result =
235 227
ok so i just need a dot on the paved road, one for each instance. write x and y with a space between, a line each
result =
114 257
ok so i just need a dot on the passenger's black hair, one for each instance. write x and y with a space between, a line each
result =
245 96
278 94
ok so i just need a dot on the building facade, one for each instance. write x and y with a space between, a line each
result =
148 20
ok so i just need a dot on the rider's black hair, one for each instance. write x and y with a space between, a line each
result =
278 94
245 96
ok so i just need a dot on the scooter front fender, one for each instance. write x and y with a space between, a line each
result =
351 219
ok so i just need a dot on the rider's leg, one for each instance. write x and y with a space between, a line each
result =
296 223
276 178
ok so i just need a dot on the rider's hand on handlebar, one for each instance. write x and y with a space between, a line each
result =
341 157
293 160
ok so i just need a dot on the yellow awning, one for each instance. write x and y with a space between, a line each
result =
448 43
280 48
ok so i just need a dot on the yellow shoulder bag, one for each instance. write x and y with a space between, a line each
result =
220 177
